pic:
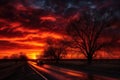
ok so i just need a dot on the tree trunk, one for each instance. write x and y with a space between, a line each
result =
57 60
89 59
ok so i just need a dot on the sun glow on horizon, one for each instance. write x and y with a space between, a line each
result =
33 55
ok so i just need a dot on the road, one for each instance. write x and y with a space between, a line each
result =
19 71
31 71
58 73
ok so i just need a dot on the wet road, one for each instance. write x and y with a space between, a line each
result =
56 73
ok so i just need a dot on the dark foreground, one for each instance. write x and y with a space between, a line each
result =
31 71
109 68
17 71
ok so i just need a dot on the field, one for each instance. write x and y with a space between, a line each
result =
104 67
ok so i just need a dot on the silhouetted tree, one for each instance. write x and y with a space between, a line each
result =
49 52
56 50
87 32
5 57
22 56
14 56
19 56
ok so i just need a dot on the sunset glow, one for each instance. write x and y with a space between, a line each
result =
32 56
49 18
25 26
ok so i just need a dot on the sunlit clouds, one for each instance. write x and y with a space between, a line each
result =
25 25
32 40
49 18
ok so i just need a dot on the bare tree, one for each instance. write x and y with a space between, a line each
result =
56 50
49 52
22 56
87 32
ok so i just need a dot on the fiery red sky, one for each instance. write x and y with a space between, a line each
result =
26 24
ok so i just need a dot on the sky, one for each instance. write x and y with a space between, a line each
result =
26 24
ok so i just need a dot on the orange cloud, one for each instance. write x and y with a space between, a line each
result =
24 28
32 43
48 18
52 35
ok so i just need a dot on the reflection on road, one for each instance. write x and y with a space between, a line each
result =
67 74
66 71
52 73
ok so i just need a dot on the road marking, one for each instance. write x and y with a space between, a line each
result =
38 72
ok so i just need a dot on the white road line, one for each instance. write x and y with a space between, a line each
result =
38 72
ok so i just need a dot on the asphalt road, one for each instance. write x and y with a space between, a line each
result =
58 73
32 71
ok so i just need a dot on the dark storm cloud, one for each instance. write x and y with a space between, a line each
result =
8 12
34 9
56 6
6 2
37 8
29 16
60 6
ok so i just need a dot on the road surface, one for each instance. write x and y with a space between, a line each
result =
31 71
58 73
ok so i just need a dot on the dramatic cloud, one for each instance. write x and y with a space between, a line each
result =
26 24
